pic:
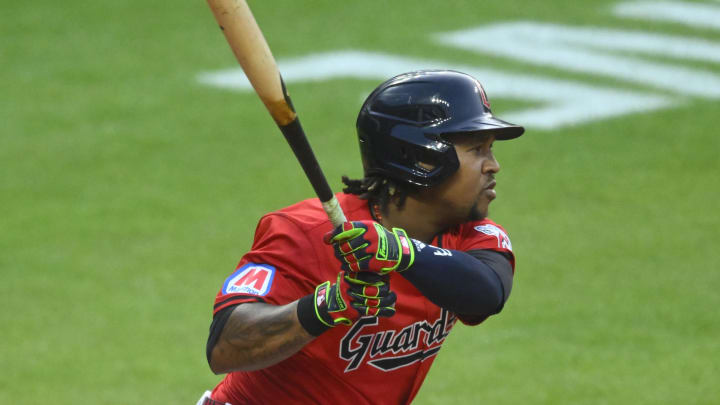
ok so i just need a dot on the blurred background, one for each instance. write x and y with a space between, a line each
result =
135 166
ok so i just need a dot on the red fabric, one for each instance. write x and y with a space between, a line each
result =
377 360
477 235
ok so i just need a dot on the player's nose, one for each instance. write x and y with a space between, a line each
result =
491 165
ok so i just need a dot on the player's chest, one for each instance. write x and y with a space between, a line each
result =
401 342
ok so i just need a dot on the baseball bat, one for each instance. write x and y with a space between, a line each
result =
252 51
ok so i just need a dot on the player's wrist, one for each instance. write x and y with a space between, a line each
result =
424 255
308 317
406 250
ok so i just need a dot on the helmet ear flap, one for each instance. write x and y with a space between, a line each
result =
421 159
404 153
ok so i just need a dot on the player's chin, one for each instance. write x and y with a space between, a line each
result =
479 211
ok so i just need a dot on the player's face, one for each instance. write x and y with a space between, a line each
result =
467 194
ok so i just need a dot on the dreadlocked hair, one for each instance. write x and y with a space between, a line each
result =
379 190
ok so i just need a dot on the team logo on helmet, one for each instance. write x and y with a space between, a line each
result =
484 97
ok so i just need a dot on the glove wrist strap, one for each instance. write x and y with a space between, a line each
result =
307 317
406 248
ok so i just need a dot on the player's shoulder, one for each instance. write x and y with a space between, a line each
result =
305 213
309 214
481 231
484 225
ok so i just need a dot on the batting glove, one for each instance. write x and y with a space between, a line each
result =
368 246
348 299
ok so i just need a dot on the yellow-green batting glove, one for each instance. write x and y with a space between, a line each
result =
345 301
368 246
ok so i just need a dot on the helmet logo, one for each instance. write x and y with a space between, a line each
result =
485 101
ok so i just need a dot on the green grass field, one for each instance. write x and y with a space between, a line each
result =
129 191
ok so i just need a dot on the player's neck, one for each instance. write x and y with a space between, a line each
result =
416 218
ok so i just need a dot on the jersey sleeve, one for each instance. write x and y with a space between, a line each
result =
272 271
485 235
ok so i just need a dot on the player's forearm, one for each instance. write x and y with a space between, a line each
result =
256 336
457 281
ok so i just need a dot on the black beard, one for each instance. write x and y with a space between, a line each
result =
475 214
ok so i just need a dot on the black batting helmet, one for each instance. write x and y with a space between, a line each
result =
402 124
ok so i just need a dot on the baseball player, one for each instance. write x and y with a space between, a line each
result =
357 314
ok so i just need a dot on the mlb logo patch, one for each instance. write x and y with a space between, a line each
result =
252 279
492 230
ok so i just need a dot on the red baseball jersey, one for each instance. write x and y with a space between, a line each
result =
376 360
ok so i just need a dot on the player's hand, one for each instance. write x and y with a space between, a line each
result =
368 246
349 298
